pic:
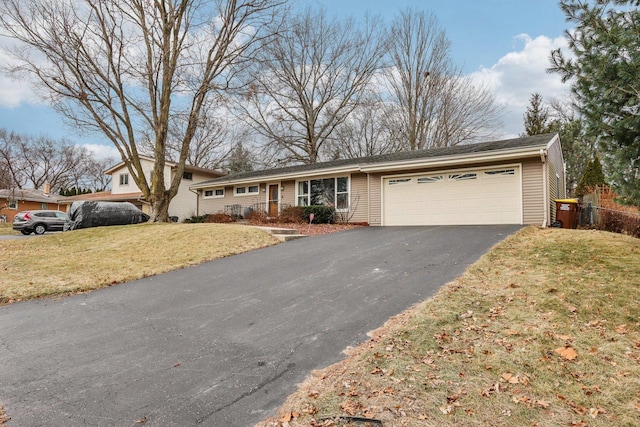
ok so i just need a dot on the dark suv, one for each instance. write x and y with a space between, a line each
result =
39 221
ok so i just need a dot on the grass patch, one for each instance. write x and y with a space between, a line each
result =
6 228
542 331
83 260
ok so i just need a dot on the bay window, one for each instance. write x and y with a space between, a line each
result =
332 192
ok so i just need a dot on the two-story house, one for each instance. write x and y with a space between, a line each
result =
124 189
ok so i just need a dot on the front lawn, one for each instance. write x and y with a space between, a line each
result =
82 260
544 330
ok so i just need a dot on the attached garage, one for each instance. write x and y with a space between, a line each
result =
454 197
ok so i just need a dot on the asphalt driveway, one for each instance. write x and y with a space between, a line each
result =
223 343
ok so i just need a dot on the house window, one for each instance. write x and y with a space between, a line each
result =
188 176
124 179
44 206
248 190
13 205
210 194
328 192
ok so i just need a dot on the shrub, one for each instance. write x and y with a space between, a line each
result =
294 214
613 216
220 218
196 219
620 222
321 214
256 217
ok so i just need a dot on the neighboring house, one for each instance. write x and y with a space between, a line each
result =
18 200
512 181
124 189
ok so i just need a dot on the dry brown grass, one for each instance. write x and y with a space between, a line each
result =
542 331
82 260
6 228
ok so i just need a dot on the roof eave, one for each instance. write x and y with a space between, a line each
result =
277 177
457 159
395 165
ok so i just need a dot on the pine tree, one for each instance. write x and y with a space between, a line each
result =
604 70
536 118
593 176
240 160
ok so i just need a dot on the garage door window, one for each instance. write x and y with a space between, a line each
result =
463 176
399 181
327 192
501 172
430 179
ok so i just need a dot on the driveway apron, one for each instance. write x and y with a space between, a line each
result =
222 343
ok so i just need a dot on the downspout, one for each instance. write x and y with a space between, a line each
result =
368 198
197 193
545 187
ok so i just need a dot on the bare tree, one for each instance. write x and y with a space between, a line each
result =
32 162
126 68
435 106
212 141
309 80
366 132
10 160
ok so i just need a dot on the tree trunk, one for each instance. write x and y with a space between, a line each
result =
160 210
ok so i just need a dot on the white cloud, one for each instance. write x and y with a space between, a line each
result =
519 74
14 92
101 151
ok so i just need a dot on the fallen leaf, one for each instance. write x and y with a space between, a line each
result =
446 410
567 352
510 378
286 418
621 329
542 403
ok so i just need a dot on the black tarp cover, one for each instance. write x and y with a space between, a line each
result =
85 214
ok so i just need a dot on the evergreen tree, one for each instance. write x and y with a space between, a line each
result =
240 160
605 46
593 176
536 118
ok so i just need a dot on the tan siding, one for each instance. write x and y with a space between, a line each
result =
532 192
375 199
211 206
183 205
556 167
288 195
359 200
553 192
557 160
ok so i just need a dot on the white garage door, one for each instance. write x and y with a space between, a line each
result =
482 196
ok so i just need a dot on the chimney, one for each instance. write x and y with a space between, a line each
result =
47 188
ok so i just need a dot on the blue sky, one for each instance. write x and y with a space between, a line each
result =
503 44
481 31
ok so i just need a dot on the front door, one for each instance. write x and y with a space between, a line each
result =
273 200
